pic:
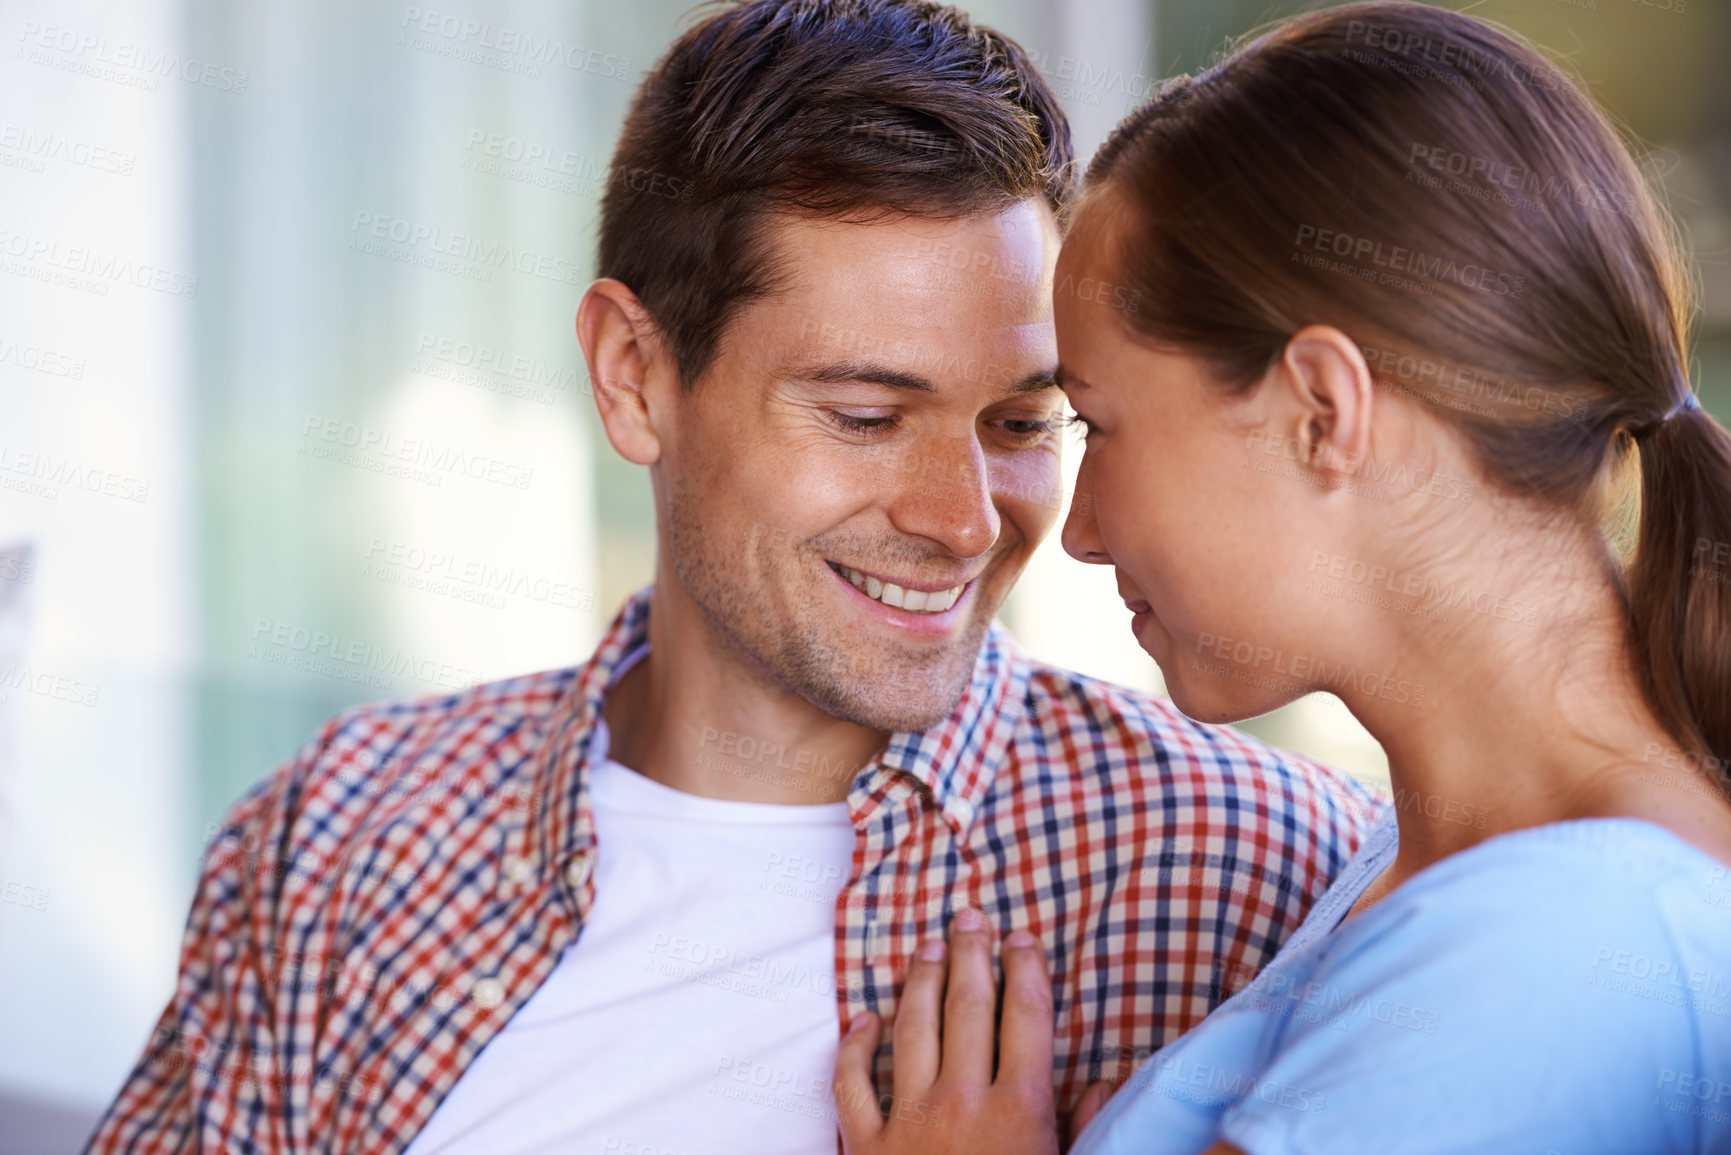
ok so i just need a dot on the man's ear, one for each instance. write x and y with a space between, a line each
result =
622 347
1325 399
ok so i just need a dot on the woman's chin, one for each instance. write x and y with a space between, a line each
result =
1213 704
1202 707
1198 694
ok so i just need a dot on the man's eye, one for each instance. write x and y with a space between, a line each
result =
852 423
1027 427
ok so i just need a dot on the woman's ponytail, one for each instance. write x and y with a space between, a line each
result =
1680 582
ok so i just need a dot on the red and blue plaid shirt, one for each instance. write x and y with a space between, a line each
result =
374 911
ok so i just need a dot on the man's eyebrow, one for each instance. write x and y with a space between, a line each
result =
1034 383
868 372
875 373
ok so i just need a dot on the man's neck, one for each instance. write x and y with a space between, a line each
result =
694 716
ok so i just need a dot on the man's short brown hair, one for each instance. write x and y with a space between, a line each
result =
837 109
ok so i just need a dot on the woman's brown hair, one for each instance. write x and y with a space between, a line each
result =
1444 195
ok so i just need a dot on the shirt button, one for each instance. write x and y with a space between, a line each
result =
577 870
518 869
489 993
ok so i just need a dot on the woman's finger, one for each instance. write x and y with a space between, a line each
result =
856 1096
1025 1040
1092 1100
970 1003
919 1014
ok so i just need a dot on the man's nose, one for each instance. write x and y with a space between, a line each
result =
947 498
1082 539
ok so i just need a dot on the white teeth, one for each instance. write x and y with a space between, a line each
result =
890 594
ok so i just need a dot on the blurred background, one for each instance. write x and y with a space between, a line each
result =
227 333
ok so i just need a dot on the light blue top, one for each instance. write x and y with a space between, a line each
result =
1561 990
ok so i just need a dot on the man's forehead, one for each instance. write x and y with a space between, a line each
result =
890 296
1003 257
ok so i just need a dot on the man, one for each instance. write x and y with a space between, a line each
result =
630 906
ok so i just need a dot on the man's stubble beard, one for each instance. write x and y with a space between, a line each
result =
886 687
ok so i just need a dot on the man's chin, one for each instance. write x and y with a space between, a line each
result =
894 704
890 689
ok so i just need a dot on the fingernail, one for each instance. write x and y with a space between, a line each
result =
858 1023
1019 939
968 918
932 950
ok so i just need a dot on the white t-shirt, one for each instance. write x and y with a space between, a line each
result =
696 1012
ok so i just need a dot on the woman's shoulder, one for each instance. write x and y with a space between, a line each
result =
1598 899
1604 937
1567 985
1631 846
1590 876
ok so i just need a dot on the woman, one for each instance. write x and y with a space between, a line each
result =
1400 410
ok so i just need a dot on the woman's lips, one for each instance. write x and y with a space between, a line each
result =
1140 614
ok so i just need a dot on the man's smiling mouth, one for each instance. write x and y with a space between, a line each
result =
900 596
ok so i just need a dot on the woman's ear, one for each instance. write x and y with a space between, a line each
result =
622 347
1326 392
